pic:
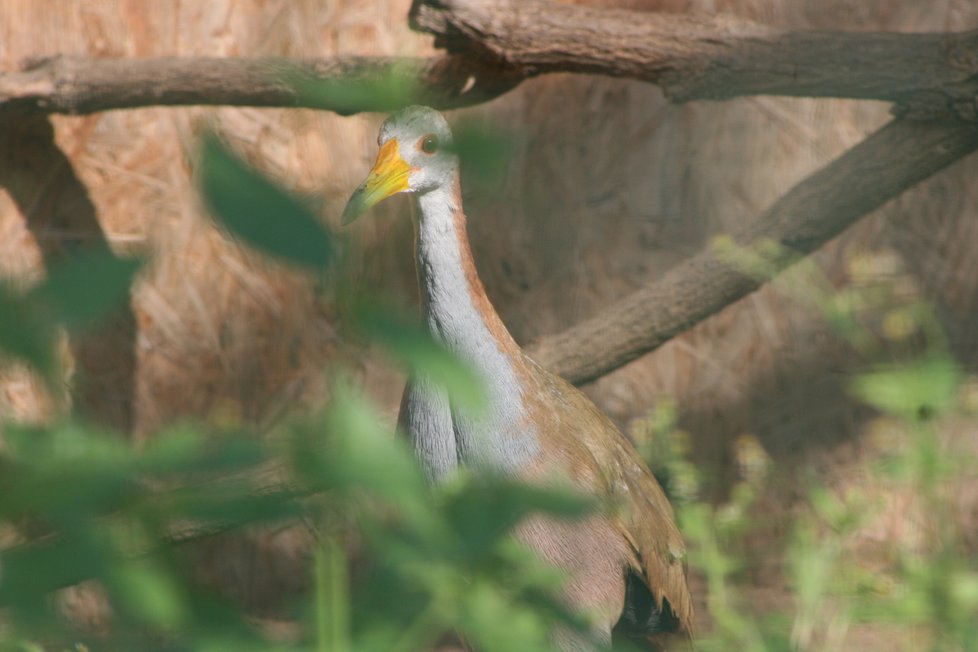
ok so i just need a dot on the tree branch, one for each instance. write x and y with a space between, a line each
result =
77 85
493 46
712 58
498 44
893 159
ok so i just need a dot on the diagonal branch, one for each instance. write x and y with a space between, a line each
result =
893 159
713 57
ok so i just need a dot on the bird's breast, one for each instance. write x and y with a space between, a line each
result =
501 436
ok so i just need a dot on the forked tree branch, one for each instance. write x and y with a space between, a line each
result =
893 159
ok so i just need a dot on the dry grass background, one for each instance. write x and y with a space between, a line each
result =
609 186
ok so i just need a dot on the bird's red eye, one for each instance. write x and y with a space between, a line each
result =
428 144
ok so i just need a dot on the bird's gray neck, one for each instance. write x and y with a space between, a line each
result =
458 314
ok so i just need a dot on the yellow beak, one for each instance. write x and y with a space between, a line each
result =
389 176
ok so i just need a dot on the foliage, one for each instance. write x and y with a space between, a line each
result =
386 90
78 503
256 210
923 593
81 504
86 506
74 295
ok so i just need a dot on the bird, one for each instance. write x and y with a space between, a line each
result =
625 566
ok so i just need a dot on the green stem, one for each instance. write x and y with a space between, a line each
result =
332 598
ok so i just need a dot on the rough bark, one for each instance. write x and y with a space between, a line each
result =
495 45
893 159
345 85
713 57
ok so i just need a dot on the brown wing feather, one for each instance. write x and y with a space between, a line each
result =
604 461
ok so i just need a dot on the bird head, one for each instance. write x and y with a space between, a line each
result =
416 155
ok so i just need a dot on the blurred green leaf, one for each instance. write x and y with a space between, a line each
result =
87 286
65 474
912 391
76 293
189 459
367 456
962 590
413 347
484 155
232 503
23 334
258 211
32 571
386 90
149 592
484 510
172 450
487 607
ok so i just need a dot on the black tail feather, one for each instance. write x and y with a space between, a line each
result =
641 618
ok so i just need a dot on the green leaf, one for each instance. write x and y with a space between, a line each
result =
149 593
383 90
76 293
963 590
64 474
258 211
910 391
367 456
172 450
23 335
410 345
484 155
484 510
495 624
32 571
87 286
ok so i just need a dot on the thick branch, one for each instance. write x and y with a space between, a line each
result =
498 44
345 85
717 57
888 162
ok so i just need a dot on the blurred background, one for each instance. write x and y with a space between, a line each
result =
608 186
